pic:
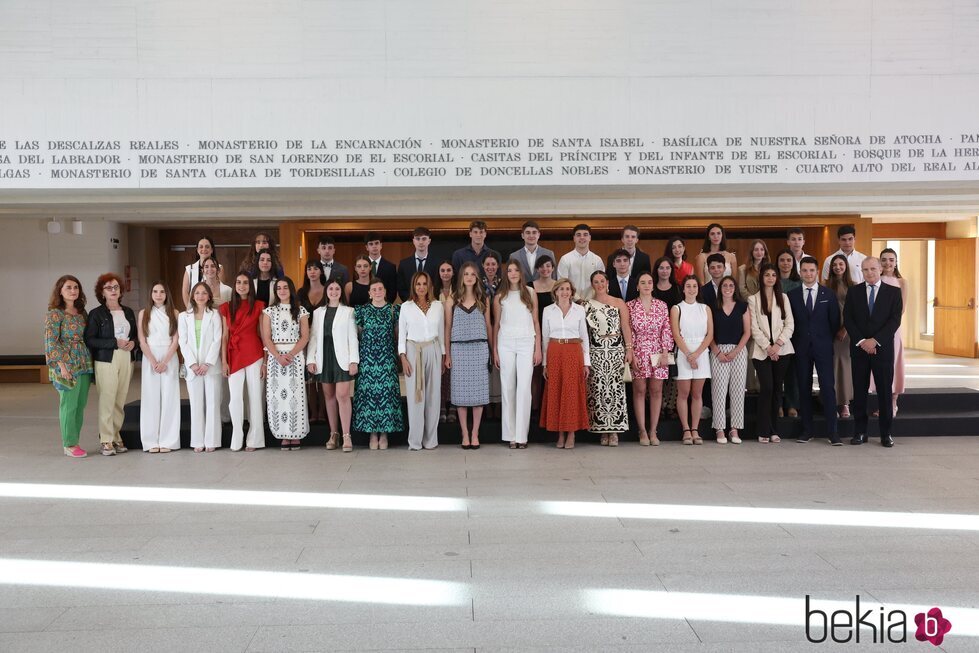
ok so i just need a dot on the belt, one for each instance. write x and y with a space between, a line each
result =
567 341
466 342
419 368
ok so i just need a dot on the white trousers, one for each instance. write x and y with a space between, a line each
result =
205 409
252 376
423 410
516 371
159 404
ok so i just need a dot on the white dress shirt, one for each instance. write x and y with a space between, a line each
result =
421 327
555 324
854 259
531 258
578 269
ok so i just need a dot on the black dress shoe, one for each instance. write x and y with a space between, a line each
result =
835 440
859 438
887 441
804 438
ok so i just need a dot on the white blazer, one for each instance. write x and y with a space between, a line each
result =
762 336
345 343
209 351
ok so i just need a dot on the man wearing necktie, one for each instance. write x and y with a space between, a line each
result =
871 315
381 268
422 260
817 320
624 285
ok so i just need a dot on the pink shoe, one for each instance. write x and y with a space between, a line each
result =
75 452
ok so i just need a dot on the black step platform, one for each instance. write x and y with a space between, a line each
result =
921 412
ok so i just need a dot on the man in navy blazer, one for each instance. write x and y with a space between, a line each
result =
381 268
817 320
872 315
715 273
621 279
421 260
638 259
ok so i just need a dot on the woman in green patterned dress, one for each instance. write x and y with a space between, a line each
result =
377 397
69 360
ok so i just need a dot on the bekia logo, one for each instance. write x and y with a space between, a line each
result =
878 626
932 626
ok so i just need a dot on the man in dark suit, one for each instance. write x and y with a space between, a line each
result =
381 268
638 259
816 313
420 260
715 270
332 269
871 315
621 284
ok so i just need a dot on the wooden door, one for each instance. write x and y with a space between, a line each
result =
955 297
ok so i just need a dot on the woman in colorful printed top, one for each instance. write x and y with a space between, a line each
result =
69 361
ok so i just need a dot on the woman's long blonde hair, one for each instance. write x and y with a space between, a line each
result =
459 292
504 288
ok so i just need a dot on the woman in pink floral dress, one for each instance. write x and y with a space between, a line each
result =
652 342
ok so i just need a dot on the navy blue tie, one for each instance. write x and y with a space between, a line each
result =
873 294
809 300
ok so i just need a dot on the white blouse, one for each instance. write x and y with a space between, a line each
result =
554 324
421 327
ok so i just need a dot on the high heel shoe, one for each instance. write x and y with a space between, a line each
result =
331 444
348 444
643 439
687 439
696 438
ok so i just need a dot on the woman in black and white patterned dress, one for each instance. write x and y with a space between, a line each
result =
467 329
285 332
610 345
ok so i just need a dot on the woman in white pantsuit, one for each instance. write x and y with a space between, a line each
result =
516 351
159 403
243 362
200 345
421 326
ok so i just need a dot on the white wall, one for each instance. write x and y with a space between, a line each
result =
432 69
35 259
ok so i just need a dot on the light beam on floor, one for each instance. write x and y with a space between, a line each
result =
750 609
233 582
231 497
680 512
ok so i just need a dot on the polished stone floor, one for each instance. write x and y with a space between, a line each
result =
594 549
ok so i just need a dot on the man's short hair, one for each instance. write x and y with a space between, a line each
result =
845 230
808 259
371 236
477 224
421 231
530 224
580 227
327 239
795 230
620 253
716 257
630 227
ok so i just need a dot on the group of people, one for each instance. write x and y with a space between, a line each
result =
559 338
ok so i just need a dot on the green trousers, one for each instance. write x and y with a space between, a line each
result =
71 410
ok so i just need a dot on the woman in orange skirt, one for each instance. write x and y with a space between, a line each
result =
566 366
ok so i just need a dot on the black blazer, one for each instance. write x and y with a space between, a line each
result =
709 296
640 264
100 334
387 273
885 321
817 330
631 290
407 269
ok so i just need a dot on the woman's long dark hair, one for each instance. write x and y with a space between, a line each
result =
888 250
250 263
294 304
57 301
722 247
846 280
777 294
236 298
668 250
736 297
793 275
304 291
